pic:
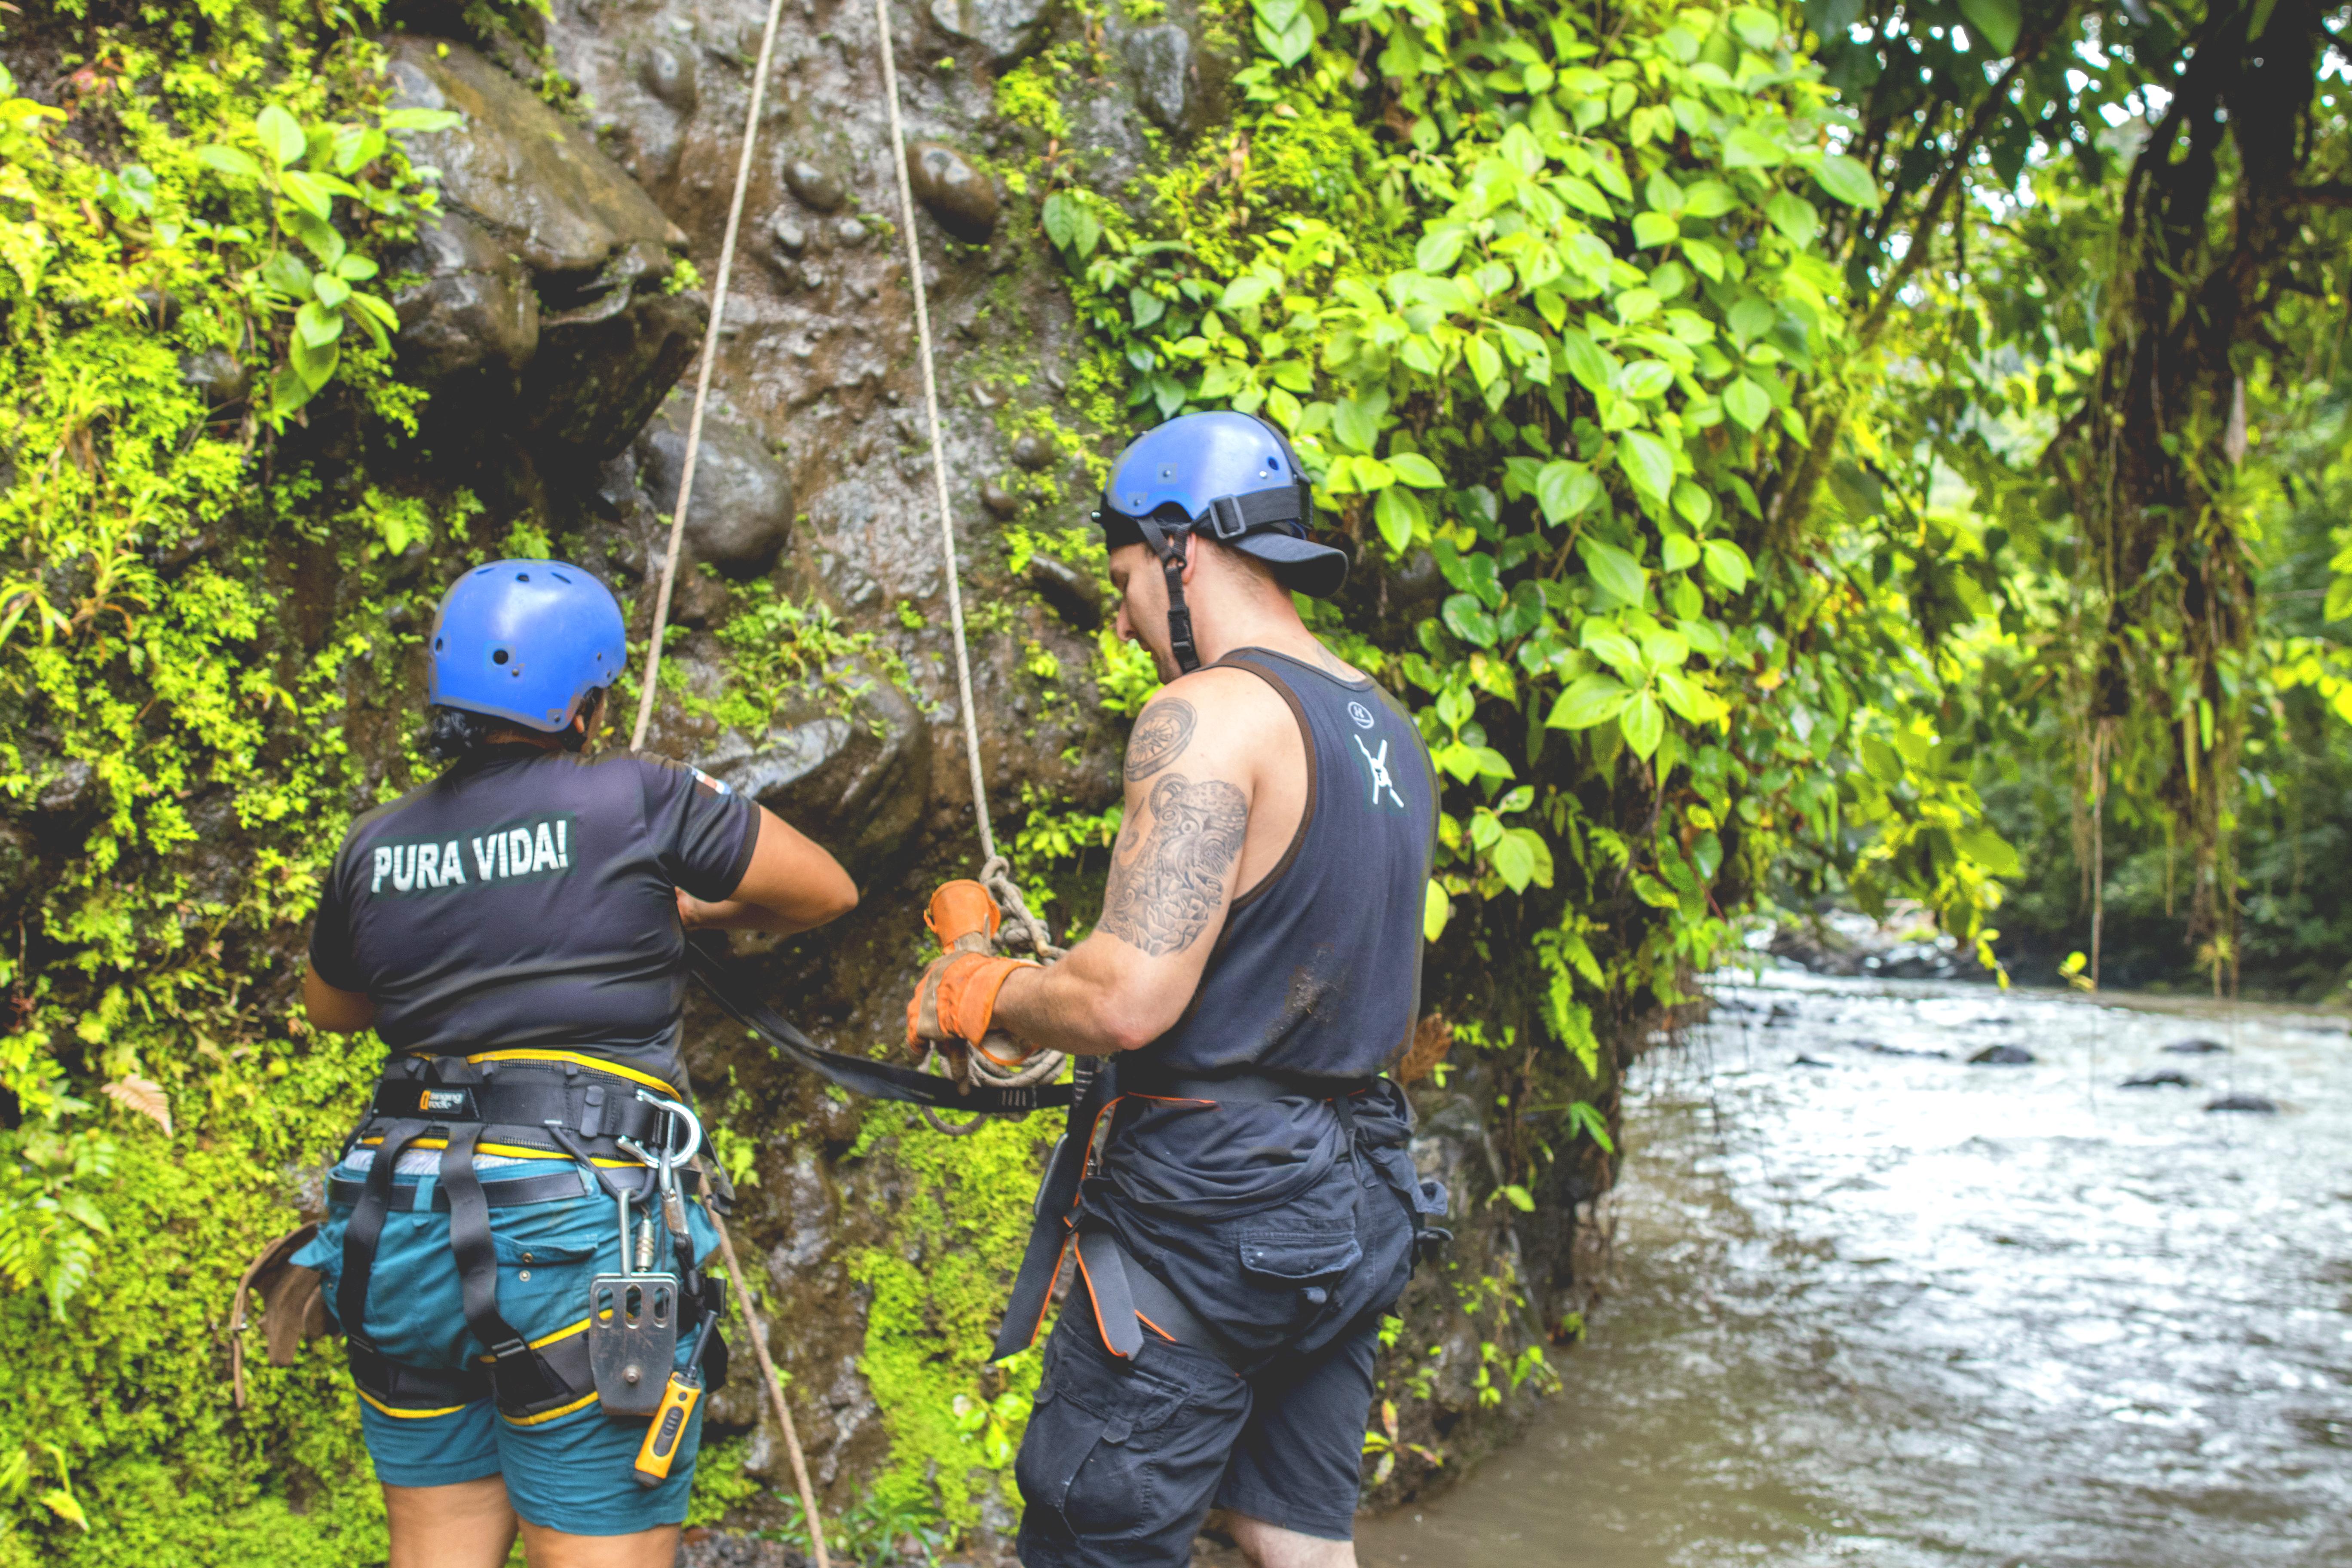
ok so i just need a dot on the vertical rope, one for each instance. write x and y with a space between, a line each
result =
775 1394
939 449
702 377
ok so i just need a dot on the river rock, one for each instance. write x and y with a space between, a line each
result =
789 235
1032 451
2249 1104
1159 64
2196 1047
960 197
819 189
219 374
667 71
855 779
1002 503
2002 1056
741 514
613 338
2170 1078
475 307
1005 30
1073 594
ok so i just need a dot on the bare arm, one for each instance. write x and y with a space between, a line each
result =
336 1011
1173 873
792 884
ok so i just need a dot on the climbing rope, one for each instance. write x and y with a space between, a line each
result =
775 1383
1020 927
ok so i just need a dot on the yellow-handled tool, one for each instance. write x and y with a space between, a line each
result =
660 1450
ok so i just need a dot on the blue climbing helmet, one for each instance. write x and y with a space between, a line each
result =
526 641
1233 477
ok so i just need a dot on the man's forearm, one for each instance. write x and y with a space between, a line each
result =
1065 1008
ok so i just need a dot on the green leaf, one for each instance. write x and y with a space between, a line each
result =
284 273
282 135
1644 724
1994 21
1416 470
1397 514
1727 565
1617 572
425 120
1747 403
1751 318
1593 699
1250 288
1648 463
1435 908
1440 248
1485 360
1290 43
1585 361
316 326
1748 148
354 268
1517 1196
1468 620
1145 308
1655 228
1989 850
309 193
1647 378
235 166
1061 220
1794 216
331 290
1514 863
1357 423
1692 503
1565 489
1847 180
1679 553
1708 198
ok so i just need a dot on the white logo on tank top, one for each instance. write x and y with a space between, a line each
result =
1361 714
1379 766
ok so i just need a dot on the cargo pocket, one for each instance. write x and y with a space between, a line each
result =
547 1253
1294 1273
1085 1461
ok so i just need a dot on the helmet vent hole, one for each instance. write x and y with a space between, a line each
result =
522 576
559 577
498 655
436 645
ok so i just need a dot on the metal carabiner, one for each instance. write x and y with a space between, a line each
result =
673 1155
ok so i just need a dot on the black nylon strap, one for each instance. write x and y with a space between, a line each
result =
1229 517
366 1228
529 1098
861 1075
517 1190
1049 1235
469 1241
1104 1264
414 1387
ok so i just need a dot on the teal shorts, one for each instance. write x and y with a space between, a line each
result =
570 1469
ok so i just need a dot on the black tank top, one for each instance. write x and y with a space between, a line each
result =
1318 969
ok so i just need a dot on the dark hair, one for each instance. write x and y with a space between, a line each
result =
452 734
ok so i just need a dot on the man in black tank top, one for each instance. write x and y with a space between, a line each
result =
1251 1211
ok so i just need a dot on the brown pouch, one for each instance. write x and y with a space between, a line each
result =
293 1306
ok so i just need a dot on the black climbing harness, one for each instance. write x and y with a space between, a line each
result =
597 1120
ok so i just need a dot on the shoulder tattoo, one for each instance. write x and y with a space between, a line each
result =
1160 736
1169 882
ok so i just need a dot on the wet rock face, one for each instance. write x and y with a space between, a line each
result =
667 72
475 306
1005 30
856 780
740 515
1160 61
961 199
536 206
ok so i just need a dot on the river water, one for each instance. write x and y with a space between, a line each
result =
1897 1309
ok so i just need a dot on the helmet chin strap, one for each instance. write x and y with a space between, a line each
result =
1170 547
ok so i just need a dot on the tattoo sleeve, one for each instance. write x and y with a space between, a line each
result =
1160 738
1167 885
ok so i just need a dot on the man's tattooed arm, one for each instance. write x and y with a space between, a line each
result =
1165 890
1160 736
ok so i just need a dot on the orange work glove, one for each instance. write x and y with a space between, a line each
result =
960 910
957 999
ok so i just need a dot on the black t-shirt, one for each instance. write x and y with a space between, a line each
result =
523 900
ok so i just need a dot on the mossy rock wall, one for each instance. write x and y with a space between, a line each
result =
810 662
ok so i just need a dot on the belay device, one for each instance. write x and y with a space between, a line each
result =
633 1315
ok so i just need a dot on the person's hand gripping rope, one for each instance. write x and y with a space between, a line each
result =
954 1001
